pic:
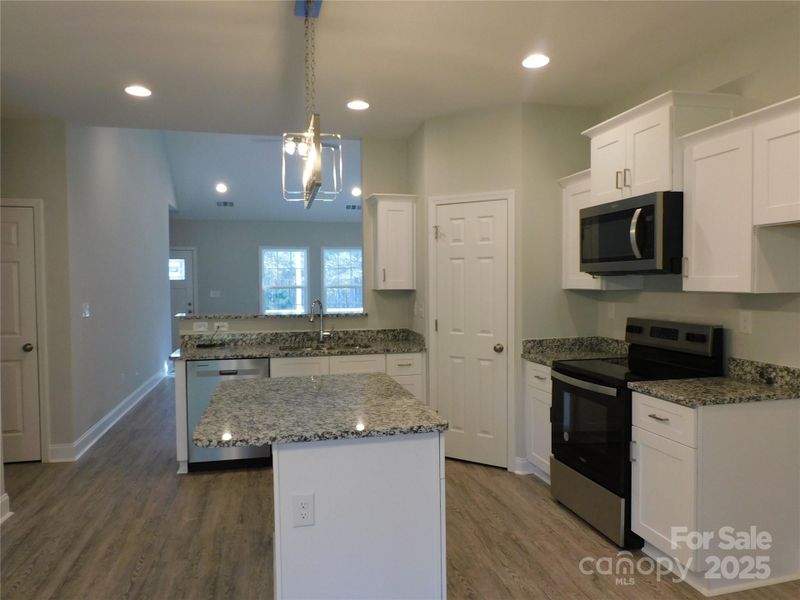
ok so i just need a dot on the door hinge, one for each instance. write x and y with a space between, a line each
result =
685 267
436 232
436 324
632 451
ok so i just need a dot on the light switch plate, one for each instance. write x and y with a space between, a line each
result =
745 321
215 293
86 310
200 326
612 310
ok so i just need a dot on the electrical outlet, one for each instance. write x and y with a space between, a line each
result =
200 326
745 321
86 310
612 310
303 510
215 294
221 326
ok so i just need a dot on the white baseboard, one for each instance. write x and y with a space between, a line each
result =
522 466
5 508
72 452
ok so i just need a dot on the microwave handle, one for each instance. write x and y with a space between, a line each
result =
634 226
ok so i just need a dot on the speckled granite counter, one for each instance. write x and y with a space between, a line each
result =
547 350
255 412
747 382
281 344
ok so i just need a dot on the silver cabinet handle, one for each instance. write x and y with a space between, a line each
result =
405 364
540 377
632 232
659 419
617 184
625 181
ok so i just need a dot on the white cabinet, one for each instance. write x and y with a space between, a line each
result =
636 152
393 225
720 466
776 166
299 366
724 188
577 195
406 369
538 399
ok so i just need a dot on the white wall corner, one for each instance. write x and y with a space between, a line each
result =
5 507
72 452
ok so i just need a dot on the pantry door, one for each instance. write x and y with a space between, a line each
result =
470 381
19 368
182 287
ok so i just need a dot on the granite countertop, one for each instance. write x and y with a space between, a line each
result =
290 344
239 317
256 412
747 381
547 350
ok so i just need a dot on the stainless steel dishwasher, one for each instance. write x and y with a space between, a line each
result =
203 377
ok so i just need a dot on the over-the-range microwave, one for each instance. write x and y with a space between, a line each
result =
643 234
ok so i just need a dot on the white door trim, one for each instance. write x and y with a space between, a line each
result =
41 317
511 335
193 250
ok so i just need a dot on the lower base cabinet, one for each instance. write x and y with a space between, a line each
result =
406 369
538 400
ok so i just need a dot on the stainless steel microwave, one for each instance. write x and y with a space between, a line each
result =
643 234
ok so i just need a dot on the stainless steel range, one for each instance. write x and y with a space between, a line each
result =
591 416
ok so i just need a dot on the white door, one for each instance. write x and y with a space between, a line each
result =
608 164
649 153
718 214
471 305
181 283
19 374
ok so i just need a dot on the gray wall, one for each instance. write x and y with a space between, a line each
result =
763 66
228 256
119 187
34 165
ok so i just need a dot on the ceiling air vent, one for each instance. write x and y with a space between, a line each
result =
225 203
352 207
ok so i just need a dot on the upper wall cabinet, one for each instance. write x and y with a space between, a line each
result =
577 195
637 152
393 240
733 171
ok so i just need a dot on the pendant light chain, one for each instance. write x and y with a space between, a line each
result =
310 59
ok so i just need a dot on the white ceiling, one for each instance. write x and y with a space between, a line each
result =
236 67
251 168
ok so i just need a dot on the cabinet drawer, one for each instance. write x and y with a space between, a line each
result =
413 383
538 376
404 364
362 363
672 421
294 367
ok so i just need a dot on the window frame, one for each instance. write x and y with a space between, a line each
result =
261 289
324 288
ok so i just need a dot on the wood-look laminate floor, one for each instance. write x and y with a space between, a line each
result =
120 523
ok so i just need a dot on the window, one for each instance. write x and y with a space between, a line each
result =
342 280
284 281
177 269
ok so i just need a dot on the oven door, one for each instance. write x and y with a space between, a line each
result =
591 430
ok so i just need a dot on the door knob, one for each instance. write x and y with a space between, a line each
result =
498 348
27 348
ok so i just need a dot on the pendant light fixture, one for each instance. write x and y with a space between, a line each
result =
311 160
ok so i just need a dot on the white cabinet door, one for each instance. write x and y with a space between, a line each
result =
298 366
577 195
776 170
539 429
394 235
608 163
717 209
413 383
663 491
366 363
648 149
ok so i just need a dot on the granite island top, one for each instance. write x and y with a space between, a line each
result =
747 381
255 412
545 351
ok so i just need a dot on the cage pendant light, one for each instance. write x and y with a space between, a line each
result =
311 160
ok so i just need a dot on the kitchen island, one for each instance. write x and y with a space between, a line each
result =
358 481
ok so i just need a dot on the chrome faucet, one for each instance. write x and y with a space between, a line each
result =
323 335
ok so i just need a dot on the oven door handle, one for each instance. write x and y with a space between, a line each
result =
633 231
585 385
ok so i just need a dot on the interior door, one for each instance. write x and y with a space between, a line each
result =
181 284
19 368
471 306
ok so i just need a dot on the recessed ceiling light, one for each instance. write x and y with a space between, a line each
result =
358 105
221 187
138 90
356 191
535 61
